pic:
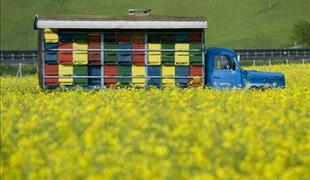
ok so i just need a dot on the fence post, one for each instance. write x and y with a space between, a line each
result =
269 62
254 62
264 54
19 70
288 54
33 56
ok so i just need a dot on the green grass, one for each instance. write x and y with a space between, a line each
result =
233 24
11 69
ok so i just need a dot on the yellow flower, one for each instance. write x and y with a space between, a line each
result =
167 133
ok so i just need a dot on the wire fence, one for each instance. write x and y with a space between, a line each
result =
19 56
256 56
245 55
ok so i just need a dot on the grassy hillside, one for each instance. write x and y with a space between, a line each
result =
234 23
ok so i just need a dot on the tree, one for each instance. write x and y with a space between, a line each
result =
301 33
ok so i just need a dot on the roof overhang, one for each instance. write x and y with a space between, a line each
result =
120 23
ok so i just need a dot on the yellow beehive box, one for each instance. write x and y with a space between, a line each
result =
65 70
66 81
48 30
138 73
50 36
154 57
168 71
80 56
181 58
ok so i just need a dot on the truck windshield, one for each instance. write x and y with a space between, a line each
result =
224 62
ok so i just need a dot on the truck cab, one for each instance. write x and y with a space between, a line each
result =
223 70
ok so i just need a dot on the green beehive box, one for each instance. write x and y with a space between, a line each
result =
110 37
168 38
79 70
110 57
167 57
80 37
154 37
195 57
124 70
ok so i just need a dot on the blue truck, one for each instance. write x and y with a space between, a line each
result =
229 72
139 51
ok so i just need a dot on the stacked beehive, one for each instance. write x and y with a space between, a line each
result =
137 58
51 57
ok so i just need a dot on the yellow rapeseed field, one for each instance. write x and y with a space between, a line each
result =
154 134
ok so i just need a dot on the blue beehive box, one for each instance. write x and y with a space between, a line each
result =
154 71
94 71
51 56
182 71
66 37
124 57
182 38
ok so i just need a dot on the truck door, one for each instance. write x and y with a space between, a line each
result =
225 72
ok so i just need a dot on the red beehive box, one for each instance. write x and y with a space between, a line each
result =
65 57
196 71
94 42
138 56
124 37
110 70
195 37
51 70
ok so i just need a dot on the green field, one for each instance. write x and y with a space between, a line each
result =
233 24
